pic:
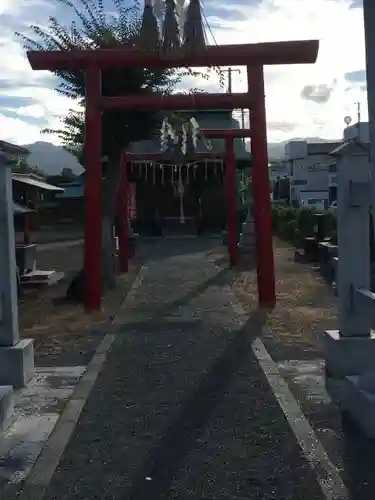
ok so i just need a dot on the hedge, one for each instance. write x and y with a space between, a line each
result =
295 224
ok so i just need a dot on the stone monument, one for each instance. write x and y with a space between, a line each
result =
16 356
350 350
246 245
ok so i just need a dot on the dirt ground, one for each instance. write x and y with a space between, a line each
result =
306 305
62 332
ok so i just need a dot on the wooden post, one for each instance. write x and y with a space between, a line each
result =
123 217
93 181
261 189
230 160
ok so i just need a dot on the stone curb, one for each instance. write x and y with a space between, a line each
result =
37 481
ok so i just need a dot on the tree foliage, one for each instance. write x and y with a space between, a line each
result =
97 26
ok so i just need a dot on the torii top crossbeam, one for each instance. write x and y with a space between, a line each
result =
270 53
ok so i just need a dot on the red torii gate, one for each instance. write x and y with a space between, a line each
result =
92 62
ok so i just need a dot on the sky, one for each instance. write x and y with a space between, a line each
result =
302 101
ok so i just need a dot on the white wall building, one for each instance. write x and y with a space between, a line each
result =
312 172
358 131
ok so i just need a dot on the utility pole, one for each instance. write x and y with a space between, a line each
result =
358 124
230 72
358 112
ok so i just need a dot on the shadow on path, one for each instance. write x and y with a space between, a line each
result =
220 279
164 461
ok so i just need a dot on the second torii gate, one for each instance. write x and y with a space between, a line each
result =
230 185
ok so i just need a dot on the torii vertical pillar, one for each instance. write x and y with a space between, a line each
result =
93 181
230 161
261 189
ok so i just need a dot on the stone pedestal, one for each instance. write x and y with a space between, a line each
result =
246 244
360 401
346 357
16 356
350 351
17 363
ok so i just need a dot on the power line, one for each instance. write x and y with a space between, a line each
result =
207 25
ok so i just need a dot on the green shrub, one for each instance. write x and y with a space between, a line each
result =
295 224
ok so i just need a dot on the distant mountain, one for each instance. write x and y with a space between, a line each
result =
51 159
276 149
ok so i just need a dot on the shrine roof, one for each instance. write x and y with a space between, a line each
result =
35 182
153 146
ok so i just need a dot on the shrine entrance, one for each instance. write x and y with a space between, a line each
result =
178 209
166 208
178 199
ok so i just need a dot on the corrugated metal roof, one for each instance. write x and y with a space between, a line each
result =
25 179
71 192
9 148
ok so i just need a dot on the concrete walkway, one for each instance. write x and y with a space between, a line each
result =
182 409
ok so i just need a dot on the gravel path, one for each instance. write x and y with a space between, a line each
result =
182 409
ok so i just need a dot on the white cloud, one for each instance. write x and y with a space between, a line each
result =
19 131
334 24
339 28
19 7
34 111
5 6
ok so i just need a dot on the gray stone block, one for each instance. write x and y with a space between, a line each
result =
346 356
336 390
360 404
6 407
17 363
246 244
